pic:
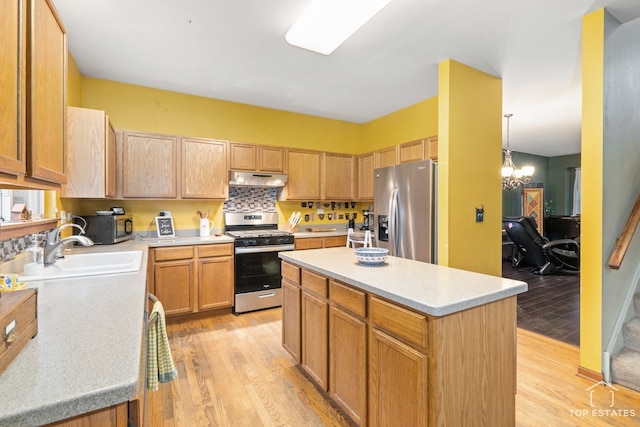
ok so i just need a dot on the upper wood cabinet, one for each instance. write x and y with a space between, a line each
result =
431 148
365 177
412 151
338 176
46 88
251 157
386 157
33 76
91 159
13 83
304 168
204 168
149 165
271 159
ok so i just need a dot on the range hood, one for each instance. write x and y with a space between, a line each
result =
256 179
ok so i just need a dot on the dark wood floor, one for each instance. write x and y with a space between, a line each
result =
551 306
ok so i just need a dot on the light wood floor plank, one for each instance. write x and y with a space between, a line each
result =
233 371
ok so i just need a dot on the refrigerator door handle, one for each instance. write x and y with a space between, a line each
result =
393 222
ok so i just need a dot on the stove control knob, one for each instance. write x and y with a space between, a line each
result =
253 242
266 241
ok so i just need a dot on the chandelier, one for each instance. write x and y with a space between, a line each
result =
512 177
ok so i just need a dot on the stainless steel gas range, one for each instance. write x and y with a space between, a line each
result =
257 266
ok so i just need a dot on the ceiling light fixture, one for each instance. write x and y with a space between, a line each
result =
326 24
513 177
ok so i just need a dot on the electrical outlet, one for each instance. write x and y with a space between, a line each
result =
480 214
320 211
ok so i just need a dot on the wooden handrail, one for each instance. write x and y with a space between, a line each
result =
622 243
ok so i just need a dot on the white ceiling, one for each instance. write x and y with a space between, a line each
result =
235 50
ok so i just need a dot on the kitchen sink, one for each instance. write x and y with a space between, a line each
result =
91 264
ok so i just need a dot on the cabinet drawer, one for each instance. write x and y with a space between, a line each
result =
406 325
205 251
291 272
335 241
309 243
314 283
19 321
348 298
170 254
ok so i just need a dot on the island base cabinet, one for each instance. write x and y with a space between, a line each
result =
315 351
348 364
398 383
291 317
113 416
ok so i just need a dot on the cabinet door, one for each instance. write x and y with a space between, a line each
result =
335 241
46 116
315 351
431 148
149 165
291 318
204 169
412 151
174 286
304 175
13 83
397 383
271 159
365 177
215 282
243 156
348 364
386 157
338 176
88 162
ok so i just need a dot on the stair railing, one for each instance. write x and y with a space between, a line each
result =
622 243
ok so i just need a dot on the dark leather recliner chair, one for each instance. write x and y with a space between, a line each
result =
547 257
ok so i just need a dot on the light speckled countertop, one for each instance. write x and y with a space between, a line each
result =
427 288
86 355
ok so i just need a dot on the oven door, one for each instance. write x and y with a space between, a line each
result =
257 278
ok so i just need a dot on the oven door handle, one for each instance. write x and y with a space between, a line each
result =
260 249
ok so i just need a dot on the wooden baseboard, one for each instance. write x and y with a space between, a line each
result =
589 374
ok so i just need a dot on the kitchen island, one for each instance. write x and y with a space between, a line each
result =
405 343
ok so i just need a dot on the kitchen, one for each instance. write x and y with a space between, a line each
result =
177 114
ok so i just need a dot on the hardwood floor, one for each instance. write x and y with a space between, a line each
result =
551 306
233 371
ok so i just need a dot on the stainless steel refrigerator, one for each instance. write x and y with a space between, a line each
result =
405 210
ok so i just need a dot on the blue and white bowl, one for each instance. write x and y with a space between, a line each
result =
371 256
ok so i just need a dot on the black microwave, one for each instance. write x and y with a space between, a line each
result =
106 229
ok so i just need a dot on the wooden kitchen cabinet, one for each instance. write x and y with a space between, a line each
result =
149 165
173 279
320 242
386 157
338 176
13 112
204 169
215 276
431 148
191 279
348 350
112 416
315 325
243 156
304 169
33 78
91 160
365 177
271 159
412 151
292 315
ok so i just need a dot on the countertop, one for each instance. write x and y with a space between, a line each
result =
427 288
86 355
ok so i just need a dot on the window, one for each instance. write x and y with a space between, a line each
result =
33 199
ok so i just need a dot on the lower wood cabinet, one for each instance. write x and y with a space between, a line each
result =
320 242
189 279
386 365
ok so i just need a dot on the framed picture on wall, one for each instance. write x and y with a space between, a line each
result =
533 205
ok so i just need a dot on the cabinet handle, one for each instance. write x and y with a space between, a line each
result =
271 294
9 334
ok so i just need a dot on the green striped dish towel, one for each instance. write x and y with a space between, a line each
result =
160 367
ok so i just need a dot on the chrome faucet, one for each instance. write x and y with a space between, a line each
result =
54 243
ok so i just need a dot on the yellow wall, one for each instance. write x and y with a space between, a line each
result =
74 83
408 124
469 157
153 110
591 256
